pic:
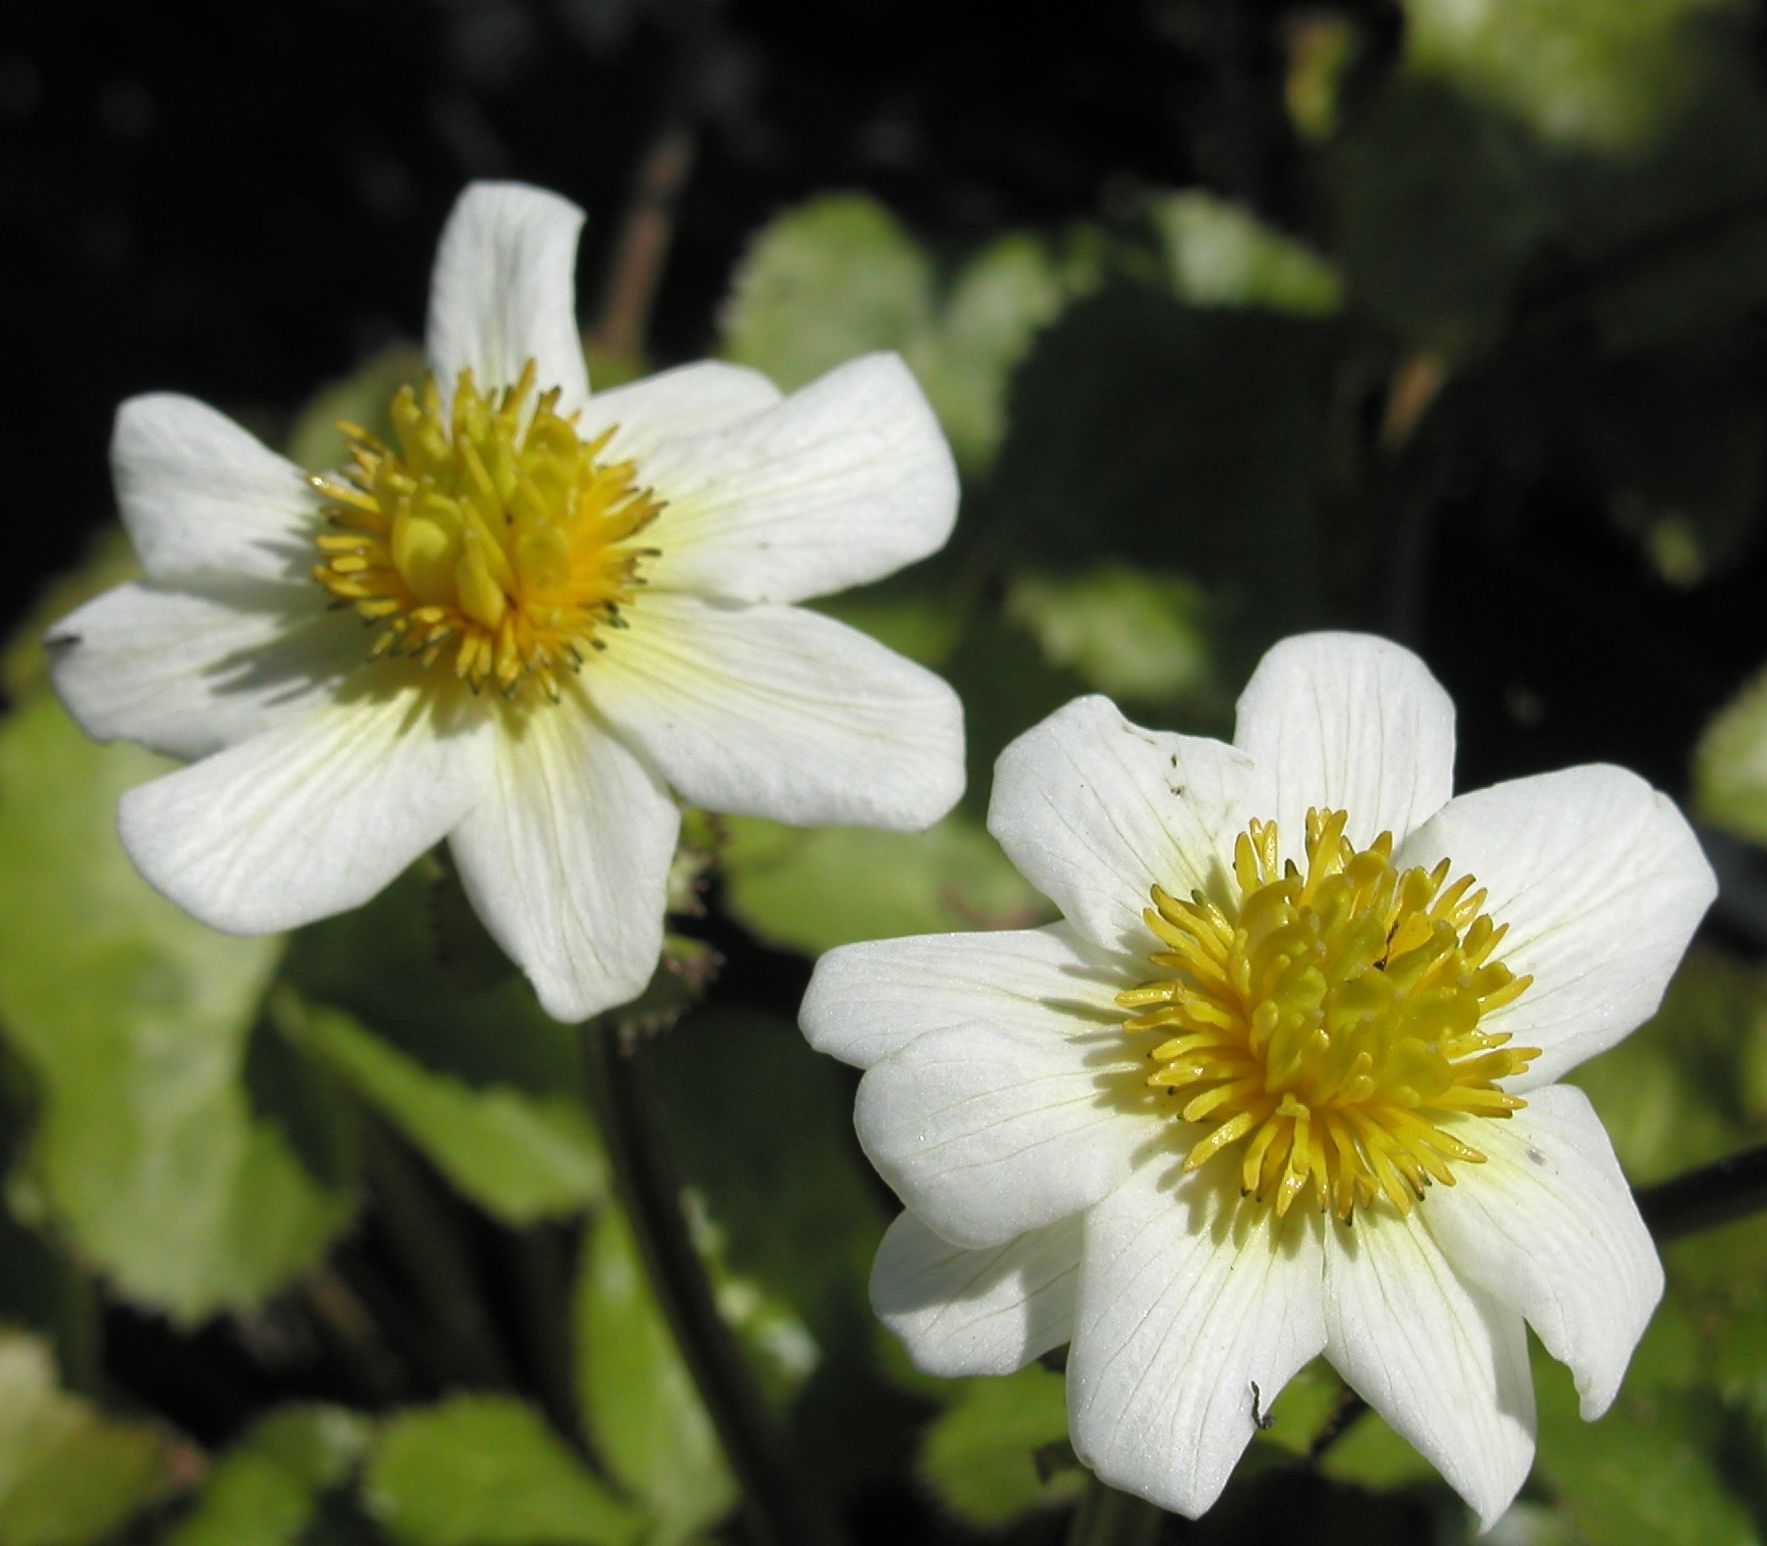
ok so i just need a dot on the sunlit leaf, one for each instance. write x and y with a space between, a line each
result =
1730 764
811 890
836 278
642 1412
841 276
1131 633
1219 254
68 1475
519 1155
979 1454
1669 1094
192 1182
486 1471
266 1490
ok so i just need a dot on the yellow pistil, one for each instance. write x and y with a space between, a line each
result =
492 543
1328 1019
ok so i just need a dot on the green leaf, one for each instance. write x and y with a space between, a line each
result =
486 1471
1730 764
266 1490
1219 254
979 1455
788 1215
1671 1094
811 890
364 398
642 1413
67 1474
997 304
1152 432
824 283
519 1156
841 277
482 1082
1649 1469
1131 633
24 659
1608 77
194 1184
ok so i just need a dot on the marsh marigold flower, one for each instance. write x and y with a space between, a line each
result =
1283 1082
525 622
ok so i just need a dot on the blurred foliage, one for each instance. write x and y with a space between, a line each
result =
67 1474
1449 321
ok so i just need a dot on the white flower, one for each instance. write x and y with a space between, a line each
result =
1206 1171
575 603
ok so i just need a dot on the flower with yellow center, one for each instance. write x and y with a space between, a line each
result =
1282 1081
526 620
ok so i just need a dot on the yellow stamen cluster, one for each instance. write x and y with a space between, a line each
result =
491 541
1329 1019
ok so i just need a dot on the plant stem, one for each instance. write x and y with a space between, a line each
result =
1727 1189
778 1509
1106 1517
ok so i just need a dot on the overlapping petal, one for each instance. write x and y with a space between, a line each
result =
1342 721
690 400
959 1311
868 1000
1600 882
986 1132
774 711
845 481
203 500
1548 1227
1094 811
1442 1360
309 817
1187 1300
504 292
566 859
187 673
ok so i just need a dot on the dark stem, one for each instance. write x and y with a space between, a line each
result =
776 1508
1106 1517
1726 1189
1343 1416
647 228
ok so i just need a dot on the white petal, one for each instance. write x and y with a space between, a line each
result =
774 711
1187 1298
202 499
1345 721
868 1000
187 674
1094 811
504 292
986 1132
309 817
566 859
959 1312
1441 1360
696 399
1601 883
845 481
1548 1226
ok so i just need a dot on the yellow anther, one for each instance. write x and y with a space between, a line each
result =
492 543
1328 1016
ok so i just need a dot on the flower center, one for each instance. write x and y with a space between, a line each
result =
493 542
1329 1019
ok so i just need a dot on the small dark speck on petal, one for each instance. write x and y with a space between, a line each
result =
1535 1155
